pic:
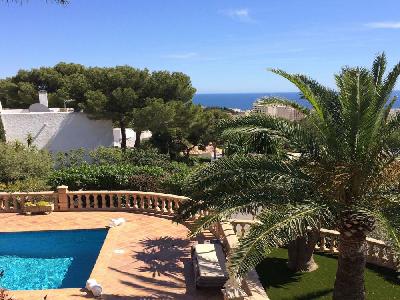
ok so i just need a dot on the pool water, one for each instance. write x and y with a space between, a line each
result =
48 259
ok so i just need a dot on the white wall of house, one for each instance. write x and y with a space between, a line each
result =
57 131
130 137
278 110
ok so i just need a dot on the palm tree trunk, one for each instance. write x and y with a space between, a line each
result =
137 139
300 253
349 284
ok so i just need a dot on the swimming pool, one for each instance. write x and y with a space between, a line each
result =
48 259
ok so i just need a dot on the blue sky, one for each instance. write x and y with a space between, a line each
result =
224 45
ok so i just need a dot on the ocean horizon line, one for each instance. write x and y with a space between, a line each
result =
244 101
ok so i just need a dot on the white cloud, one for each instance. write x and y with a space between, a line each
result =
182 55
384 25
242 14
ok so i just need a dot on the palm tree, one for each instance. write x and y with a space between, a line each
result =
339 179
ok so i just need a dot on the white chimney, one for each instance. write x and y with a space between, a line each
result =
43 98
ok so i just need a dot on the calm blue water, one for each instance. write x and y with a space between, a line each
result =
49 259
245 101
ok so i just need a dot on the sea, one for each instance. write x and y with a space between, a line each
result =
244 101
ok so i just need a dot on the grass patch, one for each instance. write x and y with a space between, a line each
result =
283 284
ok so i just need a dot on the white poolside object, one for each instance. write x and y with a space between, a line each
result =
93 286
209 265
117 222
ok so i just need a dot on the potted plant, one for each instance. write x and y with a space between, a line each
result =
40 207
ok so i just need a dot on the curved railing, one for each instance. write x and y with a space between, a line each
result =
65 200
123 200
378 252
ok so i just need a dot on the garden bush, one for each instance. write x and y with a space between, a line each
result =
108 155
174 182
20 163
145 183
31 184
98 177
113 169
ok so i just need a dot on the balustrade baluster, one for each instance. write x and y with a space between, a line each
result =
176 204
164 209
7 204
96 201
381 254
103 201
15 203
157 203
79 198
390 258
170 209
142 199
234 226
119 201
127 201
322 241
243 230
332 245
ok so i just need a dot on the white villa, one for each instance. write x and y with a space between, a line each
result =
277 110
55 129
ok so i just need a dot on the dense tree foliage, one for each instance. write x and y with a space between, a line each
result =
179 126
340 176
112 93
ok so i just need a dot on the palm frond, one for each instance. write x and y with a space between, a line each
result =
304 88
378 68
275 228
389 84
266 134
238 172
389 221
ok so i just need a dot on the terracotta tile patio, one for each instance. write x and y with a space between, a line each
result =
146 258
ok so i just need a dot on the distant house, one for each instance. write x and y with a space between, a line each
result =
55 129
130 137
277 110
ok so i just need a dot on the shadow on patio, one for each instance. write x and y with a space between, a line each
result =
163 269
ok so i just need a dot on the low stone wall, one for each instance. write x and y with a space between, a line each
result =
135 201
378 252
251 284
65 200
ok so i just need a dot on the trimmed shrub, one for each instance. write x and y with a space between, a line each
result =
112 169
107 155
98 177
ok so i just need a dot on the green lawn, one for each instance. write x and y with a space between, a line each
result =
282 284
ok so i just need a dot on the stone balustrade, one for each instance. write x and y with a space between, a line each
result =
123 200
241 226
13 202
378 252
65 200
